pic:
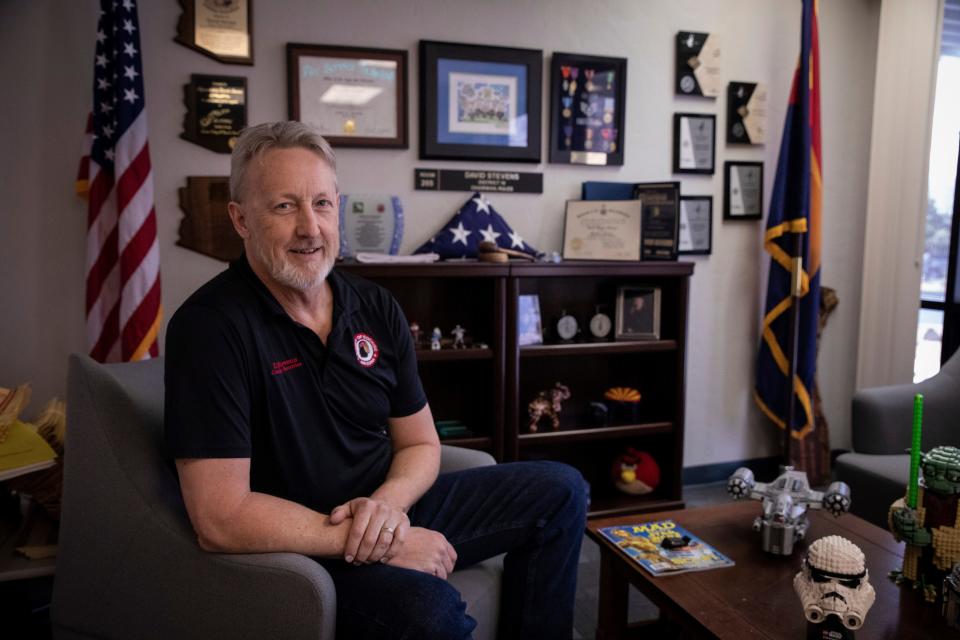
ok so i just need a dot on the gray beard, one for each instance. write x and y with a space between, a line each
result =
287 274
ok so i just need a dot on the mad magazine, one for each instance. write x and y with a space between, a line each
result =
644 543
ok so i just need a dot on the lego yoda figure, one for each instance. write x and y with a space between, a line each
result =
932 529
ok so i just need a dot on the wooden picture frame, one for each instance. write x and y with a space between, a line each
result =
638 313
356 96
479 103
588 100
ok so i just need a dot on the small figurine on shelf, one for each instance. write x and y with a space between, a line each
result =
415 334
784 503
636 472
547 404
435 339
457 334
834 587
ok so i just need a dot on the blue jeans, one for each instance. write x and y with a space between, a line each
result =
533 511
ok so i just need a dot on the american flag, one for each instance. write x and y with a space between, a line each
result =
475 222
123 255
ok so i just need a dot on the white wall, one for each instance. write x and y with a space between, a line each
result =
46 50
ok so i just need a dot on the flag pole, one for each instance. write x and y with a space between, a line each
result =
796 271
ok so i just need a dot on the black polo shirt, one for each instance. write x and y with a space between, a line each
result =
244 380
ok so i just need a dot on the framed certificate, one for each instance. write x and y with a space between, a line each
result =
602 230
742 190
587 104
746 113
479 103
220 30
356 96
694 148
696 225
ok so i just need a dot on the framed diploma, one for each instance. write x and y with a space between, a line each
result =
698 64
587 106
220 29
371 223
746 113
356 97
694 147
742 190
216 111
658 223
602 230
479 103
696 225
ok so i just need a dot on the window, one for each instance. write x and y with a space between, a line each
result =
945 139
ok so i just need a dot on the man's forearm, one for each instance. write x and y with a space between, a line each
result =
262 523
413 470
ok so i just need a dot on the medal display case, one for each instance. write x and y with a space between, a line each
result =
487 387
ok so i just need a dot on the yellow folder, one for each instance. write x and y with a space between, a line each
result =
24 451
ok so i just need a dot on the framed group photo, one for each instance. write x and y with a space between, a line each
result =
742 190
587 106
479 103
638 313
694 143
356 96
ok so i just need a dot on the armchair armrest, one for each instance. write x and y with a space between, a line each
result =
458 458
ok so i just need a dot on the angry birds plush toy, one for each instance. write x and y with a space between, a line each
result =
636 472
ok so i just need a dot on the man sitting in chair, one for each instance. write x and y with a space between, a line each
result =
298 423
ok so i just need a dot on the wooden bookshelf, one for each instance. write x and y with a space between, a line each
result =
488 388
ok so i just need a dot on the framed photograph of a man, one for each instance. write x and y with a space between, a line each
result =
638 313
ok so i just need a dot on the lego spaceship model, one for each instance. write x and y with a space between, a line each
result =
784 504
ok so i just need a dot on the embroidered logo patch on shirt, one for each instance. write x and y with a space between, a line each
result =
366 350
282 366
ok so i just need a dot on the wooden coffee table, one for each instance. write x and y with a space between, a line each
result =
755 598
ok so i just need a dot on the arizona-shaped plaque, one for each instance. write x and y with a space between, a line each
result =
206 226
216 111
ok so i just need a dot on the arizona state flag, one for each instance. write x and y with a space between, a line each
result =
794 208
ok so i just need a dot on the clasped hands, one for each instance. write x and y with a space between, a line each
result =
382 533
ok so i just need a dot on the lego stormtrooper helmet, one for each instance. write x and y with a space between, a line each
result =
834 580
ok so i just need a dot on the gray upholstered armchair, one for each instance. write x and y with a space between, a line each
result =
129 565
878 468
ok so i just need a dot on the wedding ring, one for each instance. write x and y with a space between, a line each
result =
388 529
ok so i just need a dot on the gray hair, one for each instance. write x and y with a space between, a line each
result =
260 138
